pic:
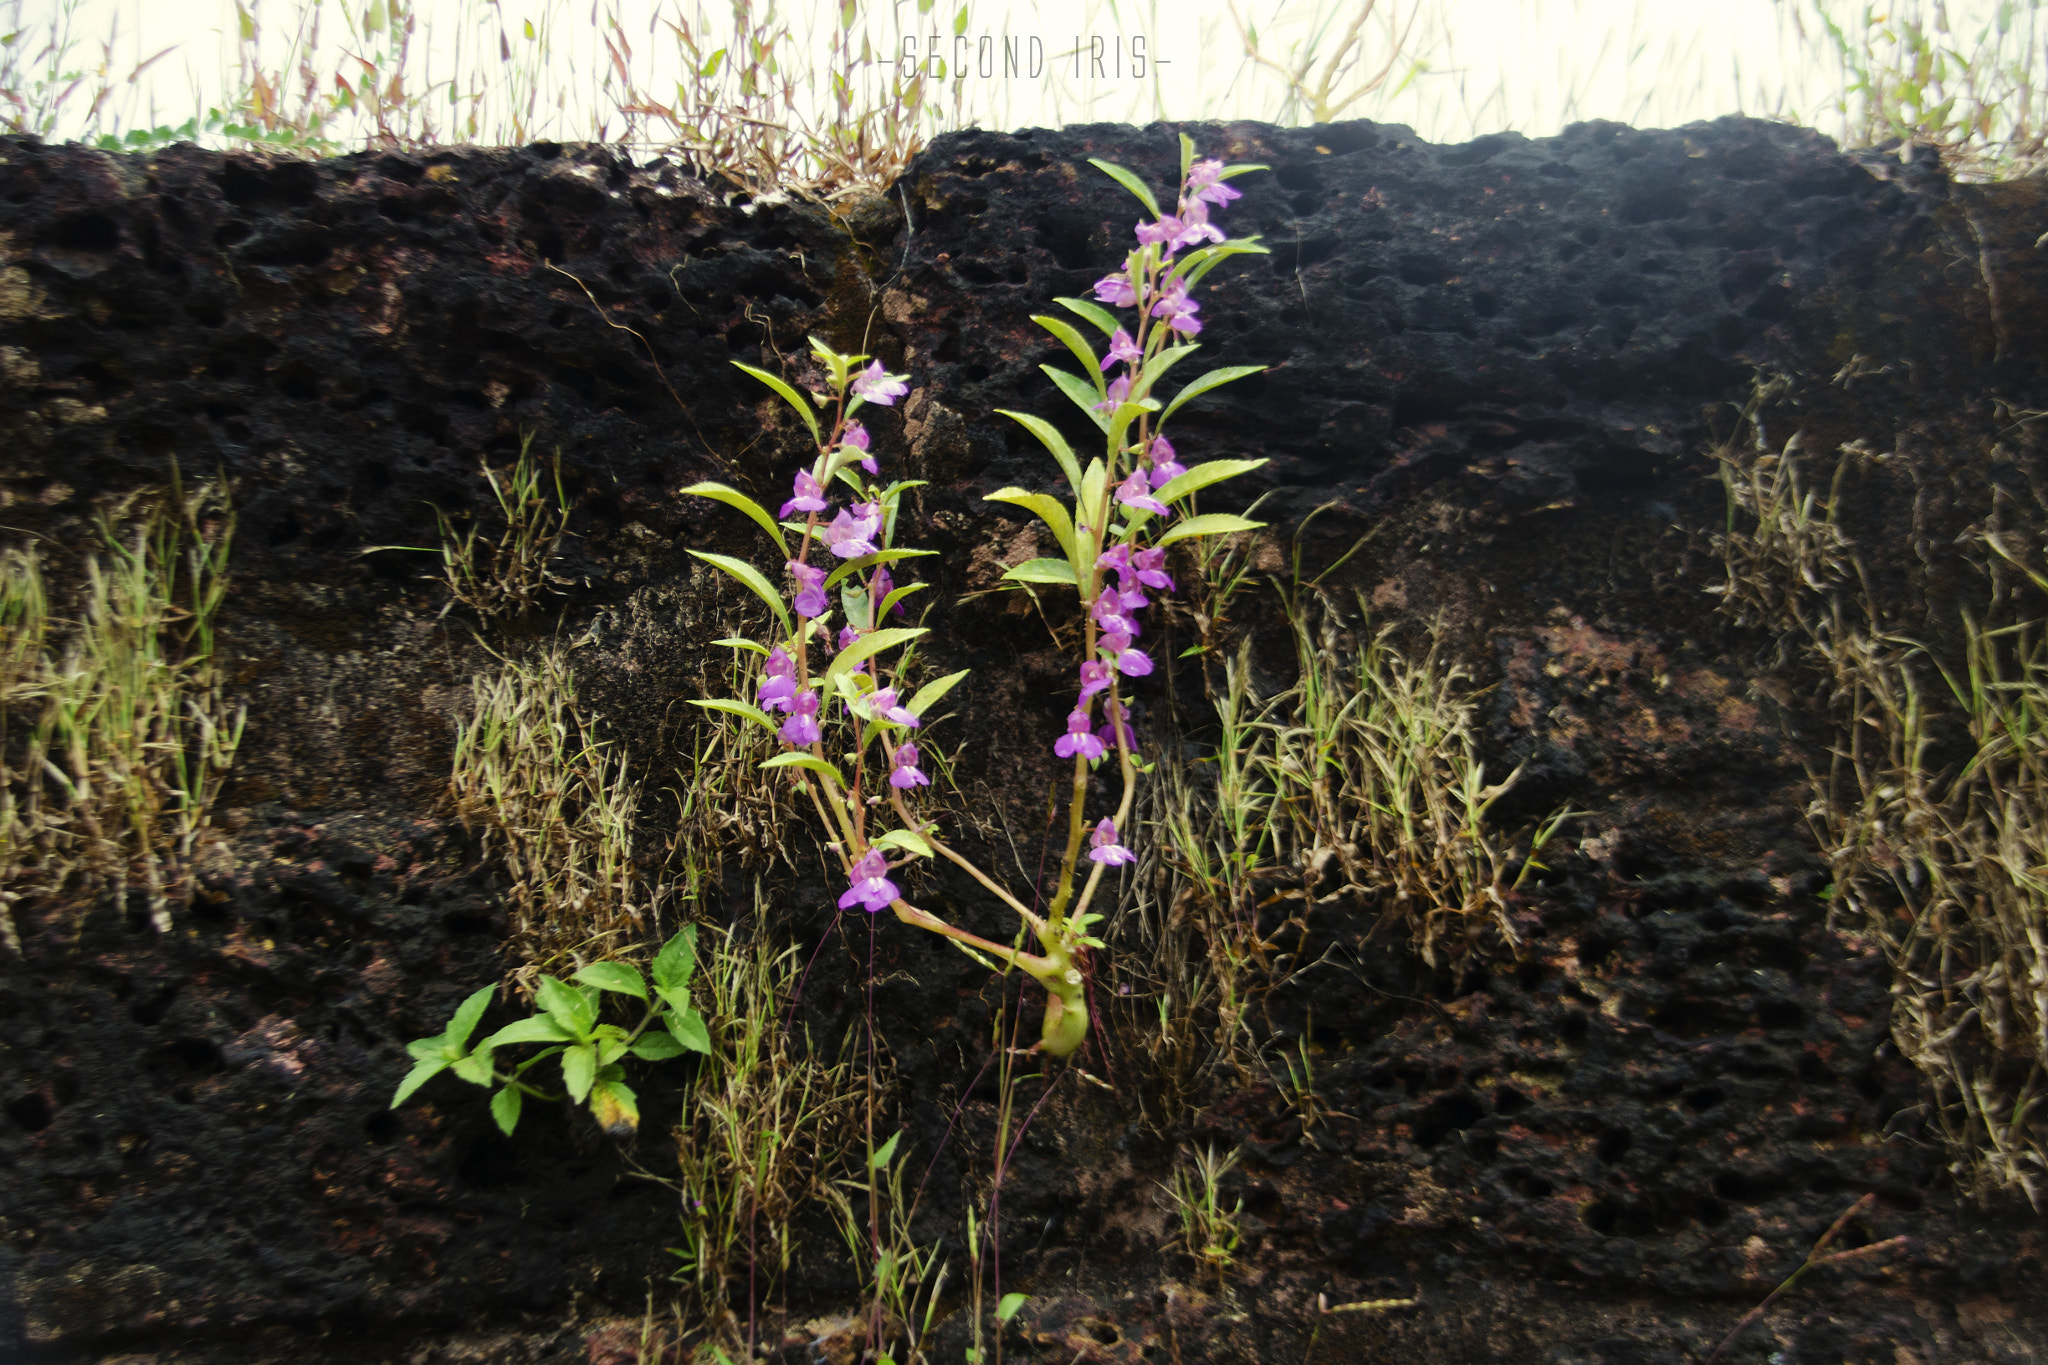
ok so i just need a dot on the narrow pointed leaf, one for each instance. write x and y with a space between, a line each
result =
1091 364
751 576
1209 524
1158 365
1212 380
467 1015
1049 436
1048 509
867 646
905 840
789 396
1057 571
1094 312
1128 181
930 694
803 760
863 563
417 1077
1202 475
737 708
539 1029
1081 391
732 497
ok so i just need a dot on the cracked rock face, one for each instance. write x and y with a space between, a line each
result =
1506 360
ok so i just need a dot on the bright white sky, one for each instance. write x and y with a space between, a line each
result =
1532 65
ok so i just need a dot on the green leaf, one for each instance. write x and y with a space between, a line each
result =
1120 424
867 646
1081 391
687 1027
905 840
884 1153
735 642
419 1076
1212 380
1007 1306
475 1068
579 1069
676 963
1202 475
567 1006
1187 161
1049 436
505 1108
789 396
430 1049
889 602
540 1028
930 694
1057 571
1158 365
1128 181
751 576
1094 312
803 760
657 1047
1219 254
1091 364
863 563
732 497
1209 524
615 977
1049 510
737 708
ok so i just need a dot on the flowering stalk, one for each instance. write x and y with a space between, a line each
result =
1127 506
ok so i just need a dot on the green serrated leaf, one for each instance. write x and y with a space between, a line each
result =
1209 524
932 692
475 1068
1128 181
687 1027
1056 571
615 977
732 497
1212 380
579 1069
540 1028
1203 475
657 1047
505 1108
420 1074
1049 436
676 963
1094 312
751 576
789 396
616 1108
570 1008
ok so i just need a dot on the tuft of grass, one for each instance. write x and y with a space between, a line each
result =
1939 866
766 1128
556 805
1209 1232
114 734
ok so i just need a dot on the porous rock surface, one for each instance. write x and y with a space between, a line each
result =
1507 359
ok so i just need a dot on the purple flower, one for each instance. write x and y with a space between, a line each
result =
1079 739
871 887
1116 718
884 705
810 600
850 536
801 729
1151 568
1108 614
1117 290
856 436
1195 225
1121 347
810 495
1103 847
778 681
880 586
1178 310
1094 678
1202 180
1165 230
1132 663
905 775
1137 492
1119 389
1166 467
878 386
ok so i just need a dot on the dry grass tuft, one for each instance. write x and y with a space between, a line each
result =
114 733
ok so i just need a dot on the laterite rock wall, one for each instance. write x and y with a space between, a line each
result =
1507 360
